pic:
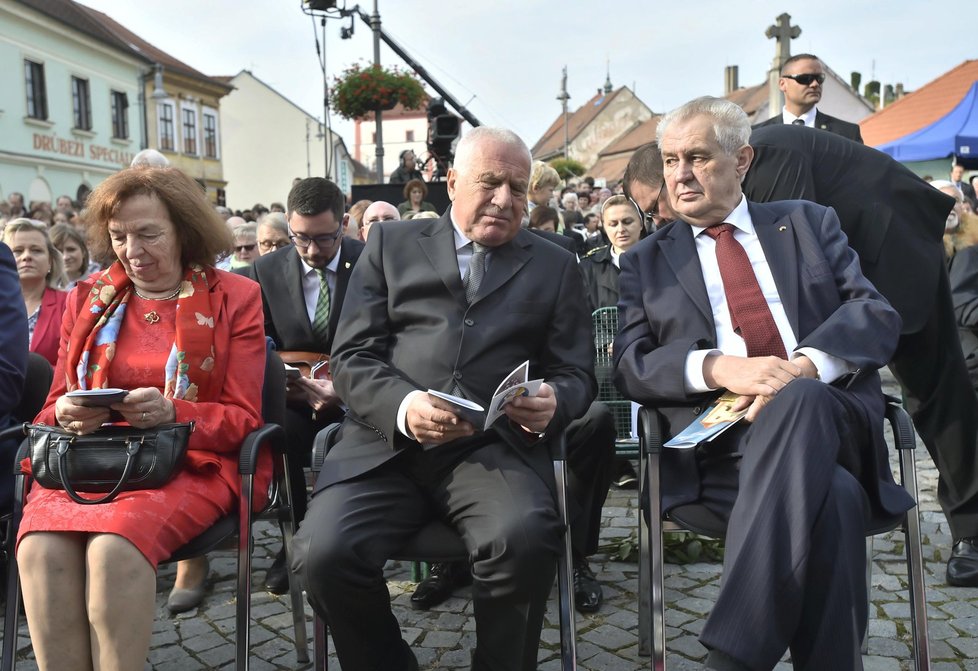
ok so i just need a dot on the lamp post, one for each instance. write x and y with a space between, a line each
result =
378 115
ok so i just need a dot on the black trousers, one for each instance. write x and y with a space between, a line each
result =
942 402
590 459
300 431
794 566
503 510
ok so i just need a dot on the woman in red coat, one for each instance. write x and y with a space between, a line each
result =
42 273
188 343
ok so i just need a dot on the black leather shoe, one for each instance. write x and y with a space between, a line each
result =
962 567
442 580
277 576
587 590
625 477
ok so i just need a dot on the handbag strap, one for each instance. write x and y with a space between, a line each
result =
132 449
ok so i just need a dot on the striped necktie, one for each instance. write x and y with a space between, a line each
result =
320 322
476 271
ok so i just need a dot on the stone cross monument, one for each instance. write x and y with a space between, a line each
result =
783 32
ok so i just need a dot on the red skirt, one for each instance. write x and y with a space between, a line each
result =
157 521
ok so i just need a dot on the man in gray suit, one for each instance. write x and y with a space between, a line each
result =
454 305
766 301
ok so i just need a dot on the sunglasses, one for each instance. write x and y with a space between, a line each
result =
806 80
244 248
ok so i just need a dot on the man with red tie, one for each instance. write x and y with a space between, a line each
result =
766 301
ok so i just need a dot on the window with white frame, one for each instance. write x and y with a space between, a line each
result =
189 124
81 103
165 128
210 133
37 96
120 115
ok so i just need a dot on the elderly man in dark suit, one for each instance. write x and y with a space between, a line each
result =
801 82
894 221
452 304
768 302
303 289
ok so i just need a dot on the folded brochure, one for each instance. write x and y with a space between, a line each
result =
513 385
716 419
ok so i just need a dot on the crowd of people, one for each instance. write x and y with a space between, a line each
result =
785 263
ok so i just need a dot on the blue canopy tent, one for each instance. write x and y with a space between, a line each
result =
955 134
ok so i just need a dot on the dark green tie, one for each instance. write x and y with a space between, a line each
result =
320 322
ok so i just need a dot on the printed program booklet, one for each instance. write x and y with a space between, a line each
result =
513 385
716 419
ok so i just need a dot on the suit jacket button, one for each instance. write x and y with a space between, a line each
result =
470 322
697 410
457 375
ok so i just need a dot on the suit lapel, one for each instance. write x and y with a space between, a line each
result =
343 269
777 238
437 241
46 320
293 282
679 251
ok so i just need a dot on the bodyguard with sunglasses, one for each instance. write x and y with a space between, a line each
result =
303 286
802 77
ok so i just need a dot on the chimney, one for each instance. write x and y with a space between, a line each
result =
730 79
898 93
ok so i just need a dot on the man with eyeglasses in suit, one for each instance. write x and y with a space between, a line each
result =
303 286
802 77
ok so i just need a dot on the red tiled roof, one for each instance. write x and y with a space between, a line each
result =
642 133
921 108
750 98
610 168
552 141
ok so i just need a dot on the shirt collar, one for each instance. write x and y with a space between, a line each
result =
739 217
333 264
808 117
460 239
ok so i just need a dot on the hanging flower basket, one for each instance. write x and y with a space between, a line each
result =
364 89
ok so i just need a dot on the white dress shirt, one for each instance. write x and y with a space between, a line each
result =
310 284
829 367
808 117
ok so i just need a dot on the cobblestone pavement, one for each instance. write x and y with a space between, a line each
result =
442 638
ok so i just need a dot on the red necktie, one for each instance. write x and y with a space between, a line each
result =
749 312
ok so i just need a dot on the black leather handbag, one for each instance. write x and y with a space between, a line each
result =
114 459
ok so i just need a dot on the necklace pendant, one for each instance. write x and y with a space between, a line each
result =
151 317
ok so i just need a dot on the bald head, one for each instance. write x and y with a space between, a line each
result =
150 158
377 211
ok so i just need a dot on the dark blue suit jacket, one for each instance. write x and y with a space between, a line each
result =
13 362
665 313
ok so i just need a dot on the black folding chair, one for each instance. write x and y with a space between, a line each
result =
222 535
700 520
438 542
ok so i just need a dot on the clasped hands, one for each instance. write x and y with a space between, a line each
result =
432 422
318 393
142 408
756 379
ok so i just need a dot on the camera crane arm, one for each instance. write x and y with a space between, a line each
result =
414 65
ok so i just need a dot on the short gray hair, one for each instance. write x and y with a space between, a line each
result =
730 123
248 230
467 146
276 220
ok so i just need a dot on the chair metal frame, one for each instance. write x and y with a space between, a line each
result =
651 599
604 323
219 536
439 542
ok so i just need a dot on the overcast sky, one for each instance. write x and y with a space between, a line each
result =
503 58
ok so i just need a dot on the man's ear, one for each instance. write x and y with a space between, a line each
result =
450 183
346 221
744 156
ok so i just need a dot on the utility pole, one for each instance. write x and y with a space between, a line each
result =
563 97
378 115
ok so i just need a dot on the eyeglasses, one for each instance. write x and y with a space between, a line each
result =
807 79
244 248
269 245
321 241
649 217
